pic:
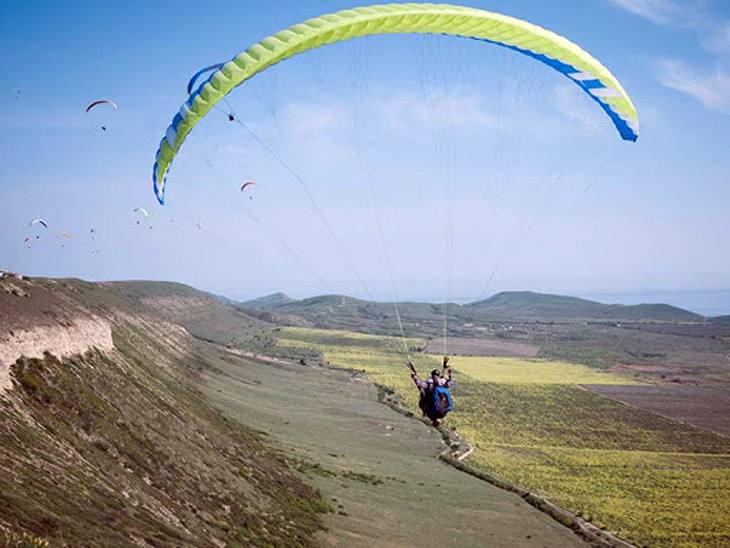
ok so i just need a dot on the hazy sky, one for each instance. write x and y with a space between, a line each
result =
482 169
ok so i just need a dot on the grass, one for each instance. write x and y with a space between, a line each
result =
121 446
532 371
649 479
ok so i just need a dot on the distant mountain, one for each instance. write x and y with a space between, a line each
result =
340 311
268 302
720 320
528 305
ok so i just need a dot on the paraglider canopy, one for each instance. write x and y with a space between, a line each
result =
38 222
520 36
141 211
95 104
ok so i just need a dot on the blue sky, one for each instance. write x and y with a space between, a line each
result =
543 194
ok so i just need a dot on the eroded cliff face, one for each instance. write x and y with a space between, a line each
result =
73 336
106 440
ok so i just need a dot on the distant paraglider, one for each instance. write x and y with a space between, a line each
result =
64 236
140 211
95 104
194 79
99 102
35 223
247 184
38 222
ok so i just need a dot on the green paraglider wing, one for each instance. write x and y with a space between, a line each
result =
521 36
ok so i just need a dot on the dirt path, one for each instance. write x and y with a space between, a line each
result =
380 470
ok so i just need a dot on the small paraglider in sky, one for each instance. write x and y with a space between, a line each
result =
93 233
64 236
142 211
38 222
95 104
17 92
247 184
99 102
194 79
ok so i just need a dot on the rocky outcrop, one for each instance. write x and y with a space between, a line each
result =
62 340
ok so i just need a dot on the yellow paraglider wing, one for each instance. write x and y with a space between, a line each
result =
521 36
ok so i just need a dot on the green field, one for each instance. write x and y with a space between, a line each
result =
532 371
650 480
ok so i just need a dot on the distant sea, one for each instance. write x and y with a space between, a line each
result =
714 302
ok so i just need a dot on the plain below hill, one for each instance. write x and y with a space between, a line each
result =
720 320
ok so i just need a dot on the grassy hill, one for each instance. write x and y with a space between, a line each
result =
151 412
340 311
527 305
106 438
138 413
203 315
268 301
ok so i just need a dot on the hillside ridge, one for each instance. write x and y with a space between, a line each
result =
506 305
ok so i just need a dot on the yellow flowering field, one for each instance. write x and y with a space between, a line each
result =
532 371
651 480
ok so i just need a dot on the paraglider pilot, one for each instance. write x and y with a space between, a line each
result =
435 397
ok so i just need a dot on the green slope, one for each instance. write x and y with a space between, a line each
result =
379 469
268 301
525 305
117 446
342 311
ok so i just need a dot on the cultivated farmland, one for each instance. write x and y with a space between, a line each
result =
647 478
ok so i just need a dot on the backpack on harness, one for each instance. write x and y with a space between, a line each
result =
440 403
